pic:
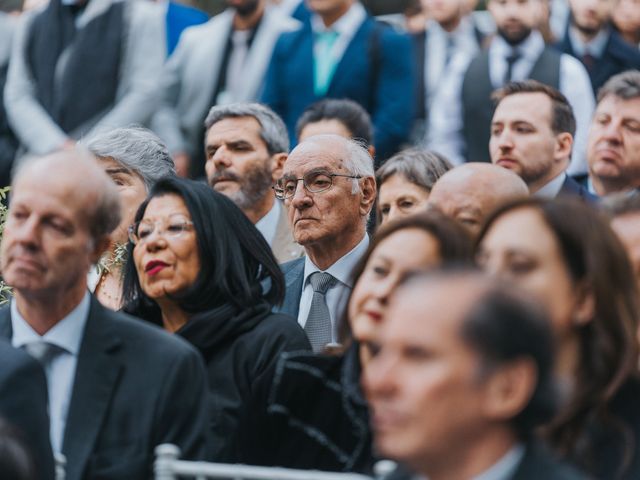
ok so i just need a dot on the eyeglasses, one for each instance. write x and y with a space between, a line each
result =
172 227
314 182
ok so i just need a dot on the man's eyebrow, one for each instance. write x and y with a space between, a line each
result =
115 171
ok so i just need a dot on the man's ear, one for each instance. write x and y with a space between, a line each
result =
368 195
99 247
564 145
509 389
277 164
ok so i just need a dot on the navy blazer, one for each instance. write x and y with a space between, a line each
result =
135 387
293 278
23 404
571 187
387 96
618 56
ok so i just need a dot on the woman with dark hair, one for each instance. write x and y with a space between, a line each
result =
198 270
566 254
312 414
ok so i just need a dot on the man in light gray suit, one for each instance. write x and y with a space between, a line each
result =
77 67
328 186
246 145
219 62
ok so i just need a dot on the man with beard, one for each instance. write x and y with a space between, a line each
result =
591 38
460 122
217 63
532 135
246 145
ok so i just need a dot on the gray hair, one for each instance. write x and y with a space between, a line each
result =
137 149
625 85
273 131
422 168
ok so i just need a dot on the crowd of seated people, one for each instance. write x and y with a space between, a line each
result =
298 236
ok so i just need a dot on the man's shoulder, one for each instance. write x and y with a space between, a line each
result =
294 267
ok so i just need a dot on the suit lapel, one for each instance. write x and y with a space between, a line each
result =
294 277
97 371
357 48
5 323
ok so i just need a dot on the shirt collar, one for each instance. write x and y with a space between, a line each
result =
530 48
268 225
343 268
595 47
347 23
66 334
462 32
551 189
506 467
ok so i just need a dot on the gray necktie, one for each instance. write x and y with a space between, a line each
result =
511 59
318 326
43 352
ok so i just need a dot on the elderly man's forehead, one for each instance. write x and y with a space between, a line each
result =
312 155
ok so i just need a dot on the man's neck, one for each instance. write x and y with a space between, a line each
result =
43 311
604 186
329 251
258 211
476 458
552 175
249 21
329 18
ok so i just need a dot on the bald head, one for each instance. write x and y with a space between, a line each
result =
77 176
470 192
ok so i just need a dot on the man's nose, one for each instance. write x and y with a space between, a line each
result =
612 132
222 157
301 197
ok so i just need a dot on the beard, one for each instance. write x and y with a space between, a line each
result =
253 186
515 37
247 7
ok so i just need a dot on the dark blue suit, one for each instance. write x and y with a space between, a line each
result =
293 277
571 187
618 56
376 71
178 18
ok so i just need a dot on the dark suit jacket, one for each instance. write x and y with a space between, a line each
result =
618 56
571 187
23 404
376 71
293 277
537 464
135 387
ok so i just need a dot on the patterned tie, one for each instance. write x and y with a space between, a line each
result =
511 60
318 326
324 62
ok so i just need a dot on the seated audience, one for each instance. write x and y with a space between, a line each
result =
613 151
246 145
566 255
342 117
117 387
624 212
328 188
457 389
135 159
197 271
532 135
405 181
470 192
311 413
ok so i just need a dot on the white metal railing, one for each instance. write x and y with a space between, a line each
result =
168 466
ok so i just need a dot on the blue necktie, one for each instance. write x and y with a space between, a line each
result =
324 62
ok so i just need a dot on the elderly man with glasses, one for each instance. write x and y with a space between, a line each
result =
328 187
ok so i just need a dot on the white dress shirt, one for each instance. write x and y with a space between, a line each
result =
346 27
551 189
268 225
506 467
60 372
446 122
338 294
595 47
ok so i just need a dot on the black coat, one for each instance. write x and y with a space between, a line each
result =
238 347
312 415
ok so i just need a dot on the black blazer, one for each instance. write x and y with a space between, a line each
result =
618 56
537 464
23 403
571 187
135 387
